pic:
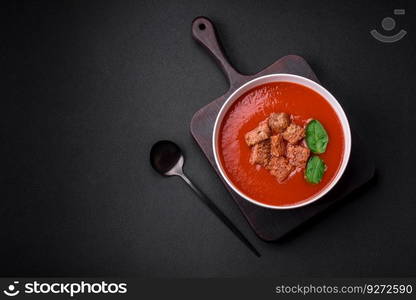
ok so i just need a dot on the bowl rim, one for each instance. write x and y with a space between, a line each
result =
316 87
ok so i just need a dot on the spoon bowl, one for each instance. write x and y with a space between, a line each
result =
166 158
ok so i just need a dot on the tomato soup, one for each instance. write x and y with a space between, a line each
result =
253 107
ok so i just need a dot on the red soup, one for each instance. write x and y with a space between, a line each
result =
253 107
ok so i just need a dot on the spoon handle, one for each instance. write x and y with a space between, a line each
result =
214 208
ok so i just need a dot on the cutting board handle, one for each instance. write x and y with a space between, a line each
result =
204 32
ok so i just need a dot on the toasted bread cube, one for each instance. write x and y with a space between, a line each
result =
258 134
280 168
277 145
294 133
260 153
297 155
278 122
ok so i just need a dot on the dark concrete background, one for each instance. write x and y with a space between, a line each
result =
87 88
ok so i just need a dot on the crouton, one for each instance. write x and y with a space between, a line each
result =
278 122
294 133
297 155
277 145
258 134
260 153
280 168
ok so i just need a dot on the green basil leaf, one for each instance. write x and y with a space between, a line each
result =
315 170
316 137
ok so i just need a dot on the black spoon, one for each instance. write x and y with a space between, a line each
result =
167 159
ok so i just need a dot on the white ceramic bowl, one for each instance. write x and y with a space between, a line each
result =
294 79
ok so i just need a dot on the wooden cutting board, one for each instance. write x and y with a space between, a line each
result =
269 224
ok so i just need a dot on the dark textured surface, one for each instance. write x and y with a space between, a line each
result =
89 86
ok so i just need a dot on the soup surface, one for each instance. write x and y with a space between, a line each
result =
253 107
